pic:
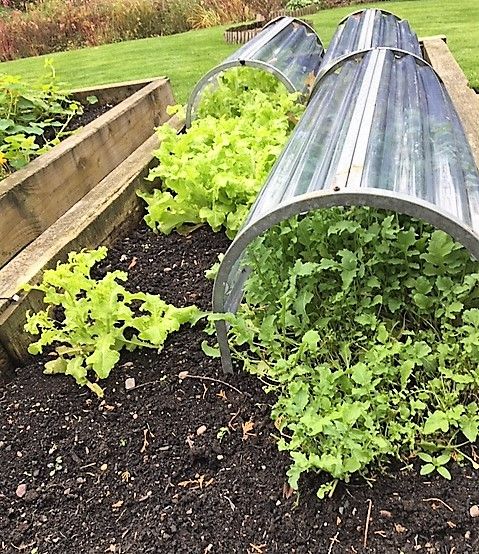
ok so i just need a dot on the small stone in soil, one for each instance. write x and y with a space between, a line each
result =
474 510
201 429
130 383
21 490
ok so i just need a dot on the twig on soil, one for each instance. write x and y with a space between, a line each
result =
88 465
120 516
366 527
438 500
230 422
333 541
233 507
145 441
205 378
146 384
258 547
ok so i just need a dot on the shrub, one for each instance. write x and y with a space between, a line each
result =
266 8
208 13
14 4
55 25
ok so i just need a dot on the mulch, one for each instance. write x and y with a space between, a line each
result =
190 465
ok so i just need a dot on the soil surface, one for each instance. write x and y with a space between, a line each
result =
90 113
190 465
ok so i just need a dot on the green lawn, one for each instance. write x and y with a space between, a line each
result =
186 57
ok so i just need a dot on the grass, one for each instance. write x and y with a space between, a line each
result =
186 57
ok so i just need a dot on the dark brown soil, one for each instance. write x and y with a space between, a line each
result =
90 113
145 470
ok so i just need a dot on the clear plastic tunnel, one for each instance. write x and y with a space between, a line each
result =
370 28
287 47
380 131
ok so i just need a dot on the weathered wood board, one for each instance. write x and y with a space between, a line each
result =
113 93
34 198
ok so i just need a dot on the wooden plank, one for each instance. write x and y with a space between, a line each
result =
465 100
432 37
112 93
35 197
6 369
92 221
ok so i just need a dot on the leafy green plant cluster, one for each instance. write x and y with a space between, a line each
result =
213 172
366 326
90 321
33 118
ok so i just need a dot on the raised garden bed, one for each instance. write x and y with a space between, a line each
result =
241 34
124 474
74 196
307 10
180 464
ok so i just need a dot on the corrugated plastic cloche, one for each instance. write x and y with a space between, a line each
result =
370 28
286 47
380 131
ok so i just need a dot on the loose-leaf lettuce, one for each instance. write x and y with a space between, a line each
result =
213 172
89 321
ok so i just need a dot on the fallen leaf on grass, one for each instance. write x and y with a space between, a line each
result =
247 427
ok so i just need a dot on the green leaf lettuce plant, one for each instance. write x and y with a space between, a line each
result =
213 172
88 322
